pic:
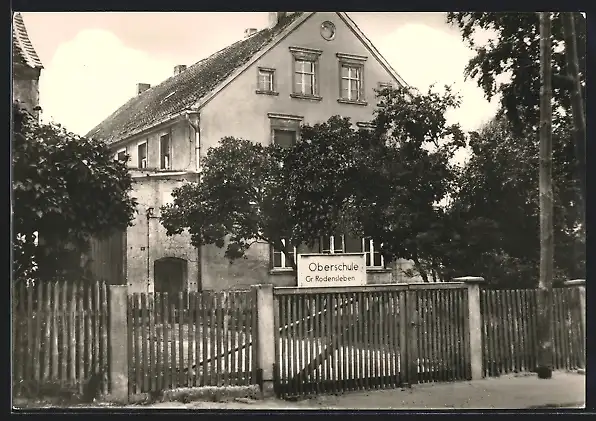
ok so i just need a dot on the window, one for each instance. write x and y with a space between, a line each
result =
333 244
351 79
305 78
348 244
373 257
279 260
165 152
351 82
266 81
285 129
383 85
285 138
142 155
121 155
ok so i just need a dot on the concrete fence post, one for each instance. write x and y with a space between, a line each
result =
118 344
581 286
266 337
475 323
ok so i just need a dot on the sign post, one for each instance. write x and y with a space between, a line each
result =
331 270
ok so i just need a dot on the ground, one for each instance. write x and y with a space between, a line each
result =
507 392
522 391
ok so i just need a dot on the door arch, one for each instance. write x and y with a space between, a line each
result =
170 274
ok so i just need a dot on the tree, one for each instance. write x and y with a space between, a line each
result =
383 183
240 199
495 211
66 189
516 52
545 284
579 120
406 174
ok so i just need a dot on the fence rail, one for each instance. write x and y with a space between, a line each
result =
60 338
510 342
191 339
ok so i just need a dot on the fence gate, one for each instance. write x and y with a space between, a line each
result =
371 337
191 340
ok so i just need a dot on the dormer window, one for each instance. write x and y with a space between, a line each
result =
142 154
266 81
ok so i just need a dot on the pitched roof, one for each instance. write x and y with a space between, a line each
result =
180 92
22 49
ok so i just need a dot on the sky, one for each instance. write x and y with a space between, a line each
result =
93 60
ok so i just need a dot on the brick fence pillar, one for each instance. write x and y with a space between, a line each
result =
266 337
475 323
118 343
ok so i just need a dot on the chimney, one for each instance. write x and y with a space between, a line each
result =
249 32
275 17
142 87
179 69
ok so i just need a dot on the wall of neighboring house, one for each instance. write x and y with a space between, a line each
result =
144 250
25 86
151 190
240 112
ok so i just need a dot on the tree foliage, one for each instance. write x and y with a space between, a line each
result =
516 52
66 188
499 185
496 209
382 182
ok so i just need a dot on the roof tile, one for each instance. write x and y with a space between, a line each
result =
180 92
22 49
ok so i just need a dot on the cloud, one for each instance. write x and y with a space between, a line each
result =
424 56
92 75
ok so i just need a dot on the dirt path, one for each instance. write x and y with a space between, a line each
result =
507 392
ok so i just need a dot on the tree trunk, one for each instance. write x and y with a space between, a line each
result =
579 119
545 283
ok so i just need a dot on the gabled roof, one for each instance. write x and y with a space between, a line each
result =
192 88
181 92
22 49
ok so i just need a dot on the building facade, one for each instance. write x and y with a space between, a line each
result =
302 68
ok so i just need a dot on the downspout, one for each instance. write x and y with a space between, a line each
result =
195 124
149 214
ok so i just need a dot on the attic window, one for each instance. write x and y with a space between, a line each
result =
305 74
142 154
351 82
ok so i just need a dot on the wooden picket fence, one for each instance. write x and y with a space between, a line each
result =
60 338
442 333
371 337
510 330
191 339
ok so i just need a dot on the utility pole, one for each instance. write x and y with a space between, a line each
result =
545 283
577 107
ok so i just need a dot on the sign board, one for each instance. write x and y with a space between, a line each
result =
331 270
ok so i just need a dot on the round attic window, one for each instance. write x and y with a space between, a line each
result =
328 30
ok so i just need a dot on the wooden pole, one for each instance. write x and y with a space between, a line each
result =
545 283
577 109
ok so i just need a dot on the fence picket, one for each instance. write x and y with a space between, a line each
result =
181 339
